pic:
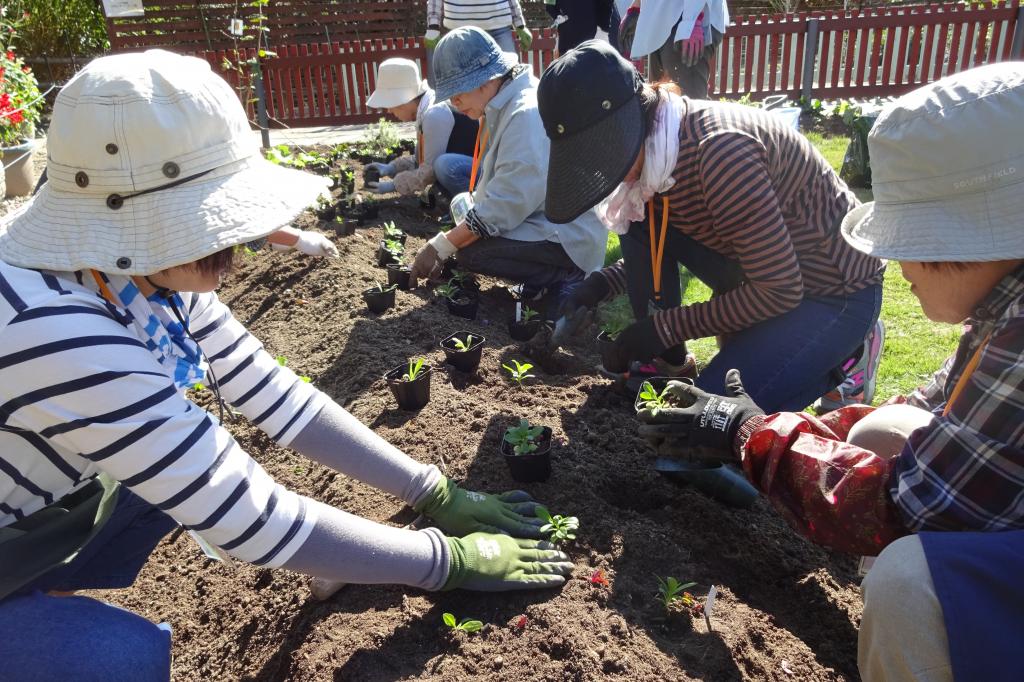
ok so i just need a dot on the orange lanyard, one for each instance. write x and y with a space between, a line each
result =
104 289
961 384
657 252
419 147
478 150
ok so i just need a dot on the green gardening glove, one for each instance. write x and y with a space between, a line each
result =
525 38
459 512
495 563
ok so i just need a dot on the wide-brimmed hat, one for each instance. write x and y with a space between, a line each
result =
398 82
947 166
151 164
465 59
590 104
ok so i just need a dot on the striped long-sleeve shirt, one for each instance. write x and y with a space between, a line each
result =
755 190
485 14
80 394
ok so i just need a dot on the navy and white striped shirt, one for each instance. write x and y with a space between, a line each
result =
484 14
80 394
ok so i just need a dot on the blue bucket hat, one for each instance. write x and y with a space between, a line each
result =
465 59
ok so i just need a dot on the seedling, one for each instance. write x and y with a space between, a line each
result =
447 291
520 372
465 625
652 399
671 591
394 247
459 278
612 328
463 345
381 288
391 232
523 438
559 529
282 360
414 370
198 387
528 314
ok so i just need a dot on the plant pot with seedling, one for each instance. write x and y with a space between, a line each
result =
379 298
459 302
393 233
367 210
463 350
526 323
345 180
527 452
612 357
465 282
389 251
398 275
345 227
410 384
652 394
325 209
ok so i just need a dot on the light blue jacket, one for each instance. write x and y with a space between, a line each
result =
510 190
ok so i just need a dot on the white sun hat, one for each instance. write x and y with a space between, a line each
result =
947 166
151 164
398 82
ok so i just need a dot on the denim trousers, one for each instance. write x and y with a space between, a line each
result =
45 637
787 361
452 172
537 265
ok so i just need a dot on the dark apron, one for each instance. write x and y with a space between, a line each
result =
978 580
463 136
54 535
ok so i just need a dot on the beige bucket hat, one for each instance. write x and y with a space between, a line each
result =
398 82
151 164
947 165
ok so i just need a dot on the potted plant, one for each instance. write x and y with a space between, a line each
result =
459 302
410 384
464 282
325 209
526 324
20 107
345 180
345 227
398 275
379 298
389 251
393 233
527 452
611 357
462 350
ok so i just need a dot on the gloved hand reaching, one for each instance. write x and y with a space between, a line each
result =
525 38
432 36
430 259
382 186
311 244
459 511
384 170
494 563
640 341
707 421
588 294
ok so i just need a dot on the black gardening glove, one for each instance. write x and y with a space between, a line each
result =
708 422
640 341
588 294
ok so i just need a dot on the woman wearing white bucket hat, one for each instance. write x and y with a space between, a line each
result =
935 480
106 315
444 137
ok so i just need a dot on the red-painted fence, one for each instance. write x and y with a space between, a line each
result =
878 52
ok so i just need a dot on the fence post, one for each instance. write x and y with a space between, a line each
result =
810 53
261 105
1017 46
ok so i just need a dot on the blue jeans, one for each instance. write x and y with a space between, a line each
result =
63 638
787 361
452 173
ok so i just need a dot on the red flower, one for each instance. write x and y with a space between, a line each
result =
16 117
5 100
521 622
10 55
597 577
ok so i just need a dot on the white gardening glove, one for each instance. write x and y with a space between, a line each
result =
316 244
432 36
431 257
386 170
382 187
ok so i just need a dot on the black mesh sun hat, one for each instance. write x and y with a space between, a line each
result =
588 100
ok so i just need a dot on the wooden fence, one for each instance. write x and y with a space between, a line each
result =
879 52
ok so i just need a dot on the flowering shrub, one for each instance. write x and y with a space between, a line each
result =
20 101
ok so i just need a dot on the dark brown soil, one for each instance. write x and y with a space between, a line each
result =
786 610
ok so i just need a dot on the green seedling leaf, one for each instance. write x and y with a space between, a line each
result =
523 437
282 360
463 345
520 372
528 314
652 399
671 591
559 529
414 369
449 619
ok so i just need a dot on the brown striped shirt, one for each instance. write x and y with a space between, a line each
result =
755 190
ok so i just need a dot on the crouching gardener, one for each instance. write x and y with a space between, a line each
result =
106 316
505 234
933 481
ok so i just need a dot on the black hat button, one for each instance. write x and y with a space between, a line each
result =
171 169
124 262
111 148
115 201
81 179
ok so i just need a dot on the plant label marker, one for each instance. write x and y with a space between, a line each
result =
215 553
519 311
709 604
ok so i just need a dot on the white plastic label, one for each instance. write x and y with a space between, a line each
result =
709 604
123 8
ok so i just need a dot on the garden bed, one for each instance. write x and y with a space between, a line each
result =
786 610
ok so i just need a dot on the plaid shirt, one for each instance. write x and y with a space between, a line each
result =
963 472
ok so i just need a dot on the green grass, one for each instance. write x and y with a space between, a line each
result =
914 345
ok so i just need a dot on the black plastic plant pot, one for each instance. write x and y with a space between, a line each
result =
385 257
371 174
531 468
400 237
463 360
523 331
346 227
658 383
378 301
348 186
411 395
463 306
398 275
612 359
327 212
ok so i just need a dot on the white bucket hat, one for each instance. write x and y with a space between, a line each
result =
151 164
398 82
947 166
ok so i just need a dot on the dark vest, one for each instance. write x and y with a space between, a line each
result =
463 137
